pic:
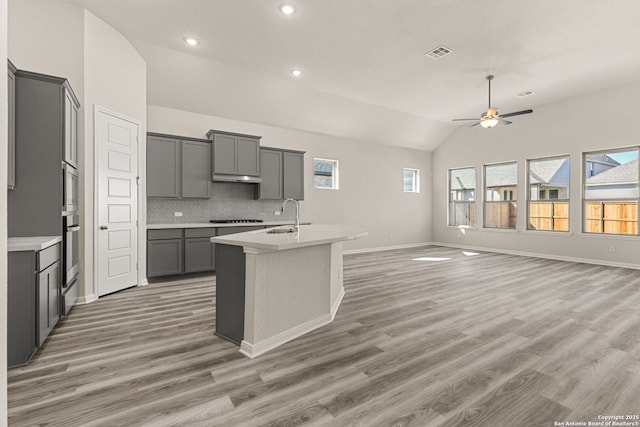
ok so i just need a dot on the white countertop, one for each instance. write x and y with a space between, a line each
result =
212 225
307 235
36 243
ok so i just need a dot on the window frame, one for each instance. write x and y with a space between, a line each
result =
471 204
486 203
612 200
415 180
548 198
335 176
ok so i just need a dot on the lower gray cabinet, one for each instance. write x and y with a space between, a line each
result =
33 297
177 251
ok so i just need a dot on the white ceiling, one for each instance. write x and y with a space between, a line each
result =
370 53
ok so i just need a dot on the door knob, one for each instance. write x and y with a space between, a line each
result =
104 227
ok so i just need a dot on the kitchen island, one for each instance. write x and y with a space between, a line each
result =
274 286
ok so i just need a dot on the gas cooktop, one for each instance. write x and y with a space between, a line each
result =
233 221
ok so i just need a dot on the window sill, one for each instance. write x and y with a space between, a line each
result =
548 233
609 236
462 227
500 230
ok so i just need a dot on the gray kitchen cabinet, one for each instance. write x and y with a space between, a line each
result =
164 252
199 252
196 169
233 155
282 173
163 167
33 300
11 125
178 167
70 129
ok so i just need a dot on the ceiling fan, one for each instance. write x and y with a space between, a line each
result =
491 118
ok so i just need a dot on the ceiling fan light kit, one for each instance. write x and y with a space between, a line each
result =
491 118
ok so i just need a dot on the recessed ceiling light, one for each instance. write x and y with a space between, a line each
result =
296 72
191 41
287 9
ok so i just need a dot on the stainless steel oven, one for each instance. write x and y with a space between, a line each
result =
69 189
69 291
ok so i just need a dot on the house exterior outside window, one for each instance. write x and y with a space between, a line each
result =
501 193
411 180
462 196
610 189
548 204
325 174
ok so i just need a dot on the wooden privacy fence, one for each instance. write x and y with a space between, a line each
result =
500 214
616 217
553 216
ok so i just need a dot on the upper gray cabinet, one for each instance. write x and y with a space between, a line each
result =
70 129
234 155
282 173
178 167
11 125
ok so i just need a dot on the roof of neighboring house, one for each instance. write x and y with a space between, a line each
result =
624 173
463 179
602 158
502 175
552 171
322 168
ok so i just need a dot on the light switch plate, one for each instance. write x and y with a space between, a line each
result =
177 214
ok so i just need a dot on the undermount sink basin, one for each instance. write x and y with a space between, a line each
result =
281 230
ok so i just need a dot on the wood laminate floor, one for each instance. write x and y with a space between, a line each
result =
424 337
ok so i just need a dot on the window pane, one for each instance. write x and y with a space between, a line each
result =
410 180
325 173
501 189
548 181
611 192
462 194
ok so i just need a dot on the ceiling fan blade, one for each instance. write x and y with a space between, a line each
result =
459 120
517 113
503 121
475 124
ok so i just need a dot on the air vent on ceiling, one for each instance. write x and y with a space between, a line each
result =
527 93
438 52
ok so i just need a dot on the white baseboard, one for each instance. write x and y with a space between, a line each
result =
545 256
87 299
336 304
261 347
386 248
143 283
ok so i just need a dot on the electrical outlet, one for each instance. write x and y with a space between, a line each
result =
277 212
612 248
177 214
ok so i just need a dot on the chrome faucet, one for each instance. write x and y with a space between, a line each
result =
295 202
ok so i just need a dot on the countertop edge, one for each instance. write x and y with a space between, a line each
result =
34 243
211 225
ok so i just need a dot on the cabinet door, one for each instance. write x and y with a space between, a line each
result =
164 257
271 173
11 116
163 167
196 169
70 130
43 307
53 280
199 255
224 154
21 307
293 175
248 156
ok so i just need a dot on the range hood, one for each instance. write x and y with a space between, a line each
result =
237 178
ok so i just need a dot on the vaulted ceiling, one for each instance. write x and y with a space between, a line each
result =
365 73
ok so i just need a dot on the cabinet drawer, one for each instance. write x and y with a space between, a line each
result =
48 256
199 232
171 233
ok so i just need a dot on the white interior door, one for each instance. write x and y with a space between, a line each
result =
117 198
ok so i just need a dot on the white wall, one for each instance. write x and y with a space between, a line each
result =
3 214
114 79
600 120
370 191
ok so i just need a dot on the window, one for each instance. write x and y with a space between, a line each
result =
462 196
611 192
325 174
411 180
548 179
501 190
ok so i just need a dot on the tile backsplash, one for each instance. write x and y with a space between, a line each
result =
228 201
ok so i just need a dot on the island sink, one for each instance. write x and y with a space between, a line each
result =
281 230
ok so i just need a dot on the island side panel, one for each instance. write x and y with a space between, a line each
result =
288 295
337 278
230 292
